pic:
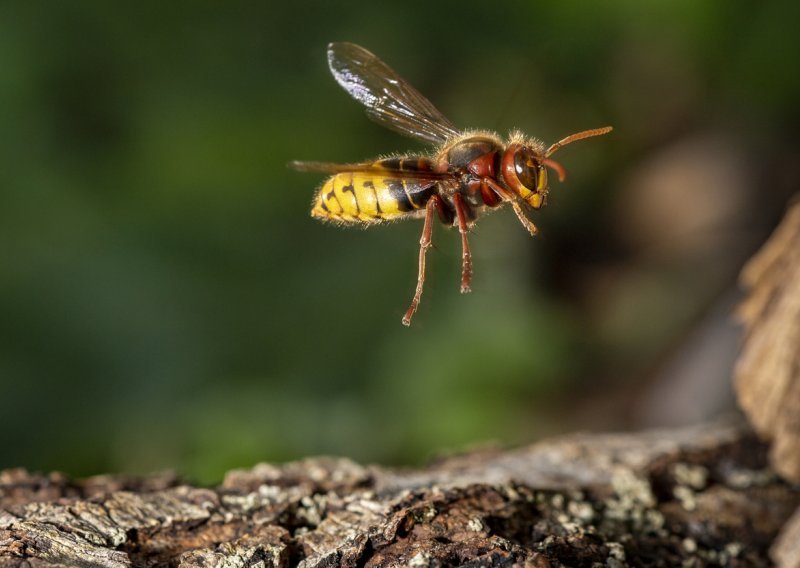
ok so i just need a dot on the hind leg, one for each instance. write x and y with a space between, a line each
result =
424 245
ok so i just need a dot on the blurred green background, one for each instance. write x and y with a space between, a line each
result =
167 302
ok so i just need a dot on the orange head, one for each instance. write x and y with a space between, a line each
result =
523 166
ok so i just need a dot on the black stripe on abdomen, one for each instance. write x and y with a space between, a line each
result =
421 197
398 193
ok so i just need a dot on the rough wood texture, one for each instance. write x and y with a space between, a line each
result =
698 496
786 550
768 371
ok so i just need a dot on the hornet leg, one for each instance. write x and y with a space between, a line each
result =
424 245
508 196
466 255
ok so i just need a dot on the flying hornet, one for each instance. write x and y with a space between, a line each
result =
466 174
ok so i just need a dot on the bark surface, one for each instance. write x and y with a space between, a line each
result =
700 496
768 370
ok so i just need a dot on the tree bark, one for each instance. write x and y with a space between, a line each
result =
698 496
767 378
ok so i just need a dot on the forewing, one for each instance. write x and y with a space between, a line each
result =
394 167
327 167
389 99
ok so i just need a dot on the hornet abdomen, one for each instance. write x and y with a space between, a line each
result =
388 189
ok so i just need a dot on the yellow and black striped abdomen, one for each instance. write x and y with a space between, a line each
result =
371 197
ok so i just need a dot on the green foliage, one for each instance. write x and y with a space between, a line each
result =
165 299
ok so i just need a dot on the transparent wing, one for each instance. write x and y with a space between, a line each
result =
390 167
389 99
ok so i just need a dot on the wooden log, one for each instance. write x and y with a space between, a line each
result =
768 370
699 496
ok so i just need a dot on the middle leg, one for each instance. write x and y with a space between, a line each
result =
466 255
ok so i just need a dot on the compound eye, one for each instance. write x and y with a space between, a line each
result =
526 167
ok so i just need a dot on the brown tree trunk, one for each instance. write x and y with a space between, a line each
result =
700 496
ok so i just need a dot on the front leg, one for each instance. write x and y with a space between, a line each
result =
507 195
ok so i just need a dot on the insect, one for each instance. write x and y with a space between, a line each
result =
468 172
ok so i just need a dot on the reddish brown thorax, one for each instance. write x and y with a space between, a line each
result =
486 166
478 157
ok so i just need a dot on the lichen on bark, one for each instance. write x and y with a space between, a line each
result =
697 496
